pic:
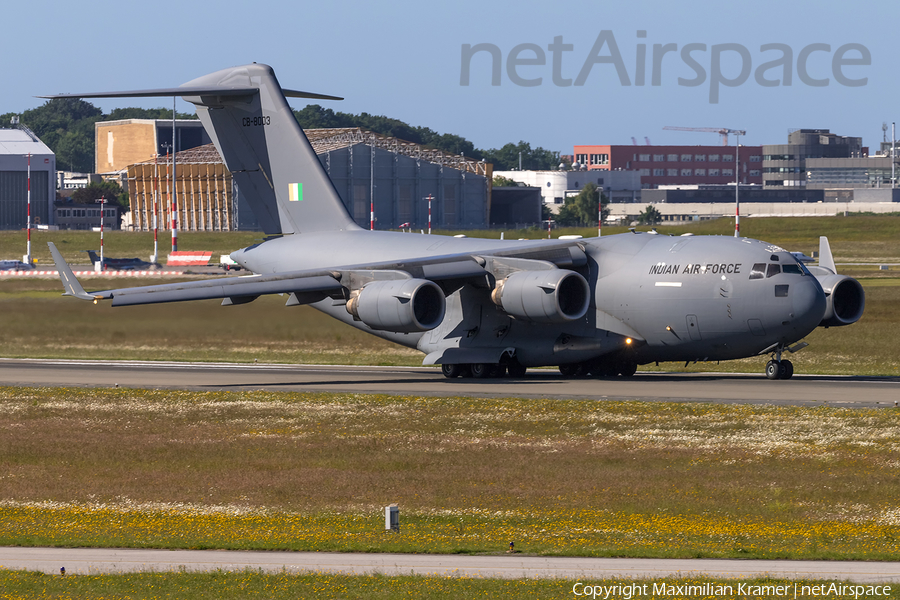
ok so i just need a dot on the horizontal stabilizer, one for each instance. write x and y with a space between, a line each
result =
312 96
190 91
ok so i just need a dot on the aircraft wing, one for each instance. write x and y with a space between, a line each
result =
313 285
236 289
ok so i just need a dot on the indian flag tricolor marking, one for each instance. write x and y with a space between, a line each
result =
295 192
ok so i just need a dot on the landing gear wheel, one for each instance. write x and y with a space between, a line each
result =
516 370
569 369
786 371
450 371
480 370
604 369
773 369
627 368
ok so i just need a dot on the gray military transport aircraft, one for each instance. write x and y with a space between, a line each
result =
482 308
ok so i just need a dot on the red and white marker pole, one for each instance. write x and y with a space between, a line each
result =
155 200
600 216
430 198
174 212
28 245
174 178
102 202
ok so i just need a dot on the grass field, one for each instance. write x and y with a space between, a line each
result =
248 584
259 470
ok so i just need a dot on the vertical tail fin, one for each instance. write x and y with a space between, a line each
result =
246 114
269 156
93 256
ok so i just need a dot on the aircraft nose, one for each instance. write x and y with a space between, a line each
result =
808 302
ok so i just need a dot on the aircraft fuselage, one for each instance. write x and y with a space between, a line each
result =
674 298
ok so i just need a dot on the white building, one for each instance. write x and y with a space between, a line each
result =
69 180
618 186
16 146
671 213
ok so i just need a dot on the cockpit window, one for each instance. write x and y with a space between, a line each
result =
758 271
803 269
792 269
772 270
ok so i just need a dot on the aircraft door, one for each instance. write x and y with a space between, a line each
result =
756 327
693 327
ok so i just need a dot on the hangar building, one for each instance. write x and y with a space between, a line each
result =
398 175
15 147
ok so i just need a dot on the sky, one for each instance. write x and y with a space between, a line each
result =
568 73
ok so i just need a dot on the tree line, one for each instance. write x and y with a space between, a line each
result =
66 126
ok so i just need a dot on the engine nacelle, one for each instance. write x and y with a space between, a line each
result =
400 305
552 296
845 300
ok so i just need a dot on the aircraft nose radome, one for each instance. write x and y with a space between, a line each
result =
808 301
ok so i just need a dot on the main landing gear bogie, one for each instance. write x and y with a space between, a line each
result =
483 370
610 368
607 368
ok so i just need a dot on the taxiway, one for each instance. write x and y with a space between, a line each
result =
101 560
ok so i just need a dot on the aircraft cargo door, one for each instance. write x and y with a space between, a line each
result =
693 327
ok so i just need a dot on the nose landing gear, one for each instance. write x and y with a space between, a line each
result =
777 368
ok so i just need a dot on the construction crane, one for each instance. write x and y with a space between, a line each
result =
723 131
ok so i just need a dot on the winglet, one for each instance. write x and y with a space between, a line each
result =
70 283
825 257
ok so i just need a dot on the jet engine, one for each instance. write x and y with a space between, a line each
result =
400 305
552 296
845 300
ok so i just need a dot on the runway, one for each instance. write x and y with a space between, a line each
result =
78 561
806 390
